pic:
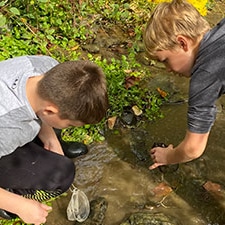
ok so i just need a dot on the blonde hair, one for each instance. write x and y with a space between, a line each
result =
170 19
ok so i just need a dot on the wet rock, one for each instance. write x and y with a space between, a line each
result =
97 213
74 149
128 117
148 218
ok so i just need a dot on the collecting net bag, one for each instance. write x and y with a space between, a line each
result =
78 208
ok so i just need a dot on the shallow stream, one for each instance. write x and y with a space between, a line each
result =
118 170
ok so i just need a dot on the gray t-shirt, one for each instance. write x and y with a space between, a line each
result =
207 82
18 122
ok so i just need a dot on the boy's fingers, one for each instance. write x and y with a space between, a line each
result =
46 207
152 167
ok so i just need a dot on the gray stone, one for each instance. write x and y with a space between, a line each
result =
148 218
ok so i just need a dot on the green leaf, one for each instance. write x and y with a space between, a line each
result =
2 3
15 11
2 20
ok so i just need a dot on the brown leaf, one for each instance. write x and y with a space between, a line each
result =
131 81
162 93
162 189
111 122
213 188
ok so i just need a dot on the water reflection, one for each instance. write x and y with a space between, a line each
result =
118 170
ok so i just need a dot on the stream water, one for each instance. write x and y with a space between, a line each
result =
118 170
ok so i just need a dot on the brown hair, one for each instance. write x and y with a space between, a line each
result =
78 89
170 19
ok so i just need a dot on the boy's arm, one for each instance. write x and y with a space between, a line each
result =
28 210
190 148
49 139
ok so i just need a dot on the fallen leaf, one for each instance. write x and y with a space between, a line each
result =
162 93
213 188
111 122
131 81
136 110
128 71
162 189
75 47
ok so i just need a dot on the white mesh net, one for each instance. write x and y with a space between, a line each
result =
78 208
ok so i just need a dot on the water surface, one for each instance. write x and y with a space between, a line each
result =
118 170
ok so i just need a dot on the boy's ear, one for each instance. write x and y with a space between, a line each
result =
50 109
183 42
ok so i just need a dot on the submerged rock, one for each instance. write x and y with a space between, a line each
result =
148 218
97 214
138 145
128 118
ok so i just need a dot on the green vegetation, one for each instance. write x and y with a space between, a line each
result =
59 29
120 97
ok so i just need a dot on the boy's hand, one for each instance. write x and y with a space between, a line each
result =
33 212
159 156
54 146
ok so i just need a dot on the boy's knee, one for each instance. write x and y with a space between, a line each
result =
68 174
63 175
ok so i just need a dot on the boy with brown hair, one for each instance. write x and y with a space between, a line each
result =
37 95
178 36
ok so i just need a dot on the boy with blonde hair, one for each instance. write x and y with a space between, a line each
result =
178 36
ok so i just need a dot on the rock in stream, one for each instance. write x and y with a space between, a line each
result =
149 218
97 213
